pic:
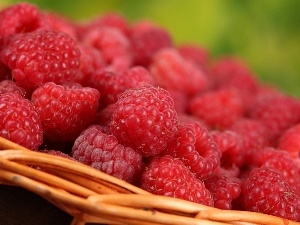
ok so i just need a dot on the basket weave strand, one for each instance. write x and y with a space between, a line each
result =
92 196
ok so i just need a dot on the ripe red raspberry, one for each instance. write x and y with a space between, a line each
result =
253 132
219 108
194 146
19 121
65 110
147 39
42 56
282 162
290 141
112 84
57 153
230 71
277 112
195 54
103 152
114 46
232 148
144 119
172 72
168 176
19 18
265 191
8 86
223 189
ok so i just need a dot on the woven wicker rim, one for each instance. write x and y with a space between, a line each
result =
91 196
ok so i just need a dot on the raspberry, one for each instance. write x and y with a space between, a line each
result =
104 116
41 56
223 190
57 153
144 119
168 176
290 141
65 110
114 46
232 148
195 54
19 121
147 39
282 162
276 112
265 191
253 133
8 86
91 60
19 18
219 109
193 145
230 71
112 84
103 152
172 72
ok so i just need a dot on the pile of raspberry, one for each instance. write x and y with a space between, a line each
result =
125 99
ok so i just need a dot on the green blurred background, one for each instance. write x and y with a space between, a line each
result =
265 33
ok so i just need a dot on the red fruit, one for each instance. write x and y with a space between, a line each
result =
8 86
172 72
194 146
223 189
265 191
219 109
146 40
114 46
277 112
112 84
65 110
19 18
41 56
144 119
168 176
19 121
57 153
282 162
290 141
103 152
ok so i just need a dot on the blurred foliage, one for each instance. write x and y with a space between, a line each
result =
265 33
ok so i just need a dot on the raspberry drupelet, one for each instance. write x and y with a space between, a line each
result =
168 176
20 121
102 151
41 56
145 119
65 110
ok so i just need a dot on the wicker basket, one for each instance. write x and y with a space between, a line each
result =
91 196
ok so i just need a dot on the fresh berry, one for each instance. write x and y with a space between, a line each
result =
276 112
42 56
145 119
194 146
265 191
57 153
20 121
168 176
65 110
253 132
281 161
232 148
223 189
8 86
20 18
146 40
112 84
114 46
219 109
290 141
172 72
103 152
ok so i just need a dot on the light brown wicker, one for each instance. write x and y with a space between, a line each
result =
91 196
